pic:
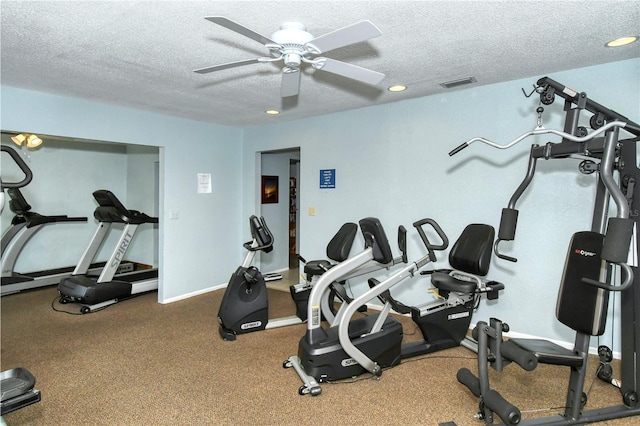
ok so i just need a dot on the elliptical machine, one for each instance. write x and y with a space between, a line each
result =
349 348
245 304
16 384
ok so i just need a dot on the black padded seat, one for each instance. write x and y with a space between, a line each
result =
338 250
444 281
550 353
317 267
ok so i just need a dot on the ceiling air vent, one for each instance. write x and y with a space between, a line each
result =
459 82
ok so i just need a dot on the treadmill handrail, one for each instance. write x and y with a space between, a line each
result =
28 175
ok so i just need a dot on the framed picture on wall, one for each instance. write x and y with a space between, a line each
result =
269 189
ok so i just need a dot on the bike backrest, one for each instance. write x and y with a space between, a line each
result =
260 232
374 236
471 253
339 247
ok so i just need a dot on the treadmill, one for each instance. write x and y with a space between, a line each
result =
24 225
98 292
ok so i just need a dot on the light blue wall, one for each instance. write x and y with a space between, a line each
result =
143 190
392 162
197 248
64 176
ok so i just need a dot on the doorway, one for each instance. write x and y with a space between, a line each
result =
282 216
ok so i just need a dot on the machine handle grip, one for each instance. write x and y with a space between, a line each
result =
458 149
623 286
508 412
522 357
431 247
467 378
633 128
28 175
500 255
507 231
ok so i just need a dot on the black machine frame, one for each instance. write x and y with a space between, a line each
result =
614 155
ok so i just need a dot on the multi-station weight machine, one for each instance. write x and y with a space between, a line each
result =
583 296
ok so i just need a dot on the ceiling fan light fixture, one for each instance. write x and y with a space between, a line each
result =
622 41
294 45
293 33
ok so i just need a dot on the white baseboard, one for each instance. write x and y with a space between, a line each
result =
195 293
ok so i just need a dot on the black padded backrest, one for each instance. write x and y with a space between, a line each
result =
339 247
581 306
374 236
261 233
18 204
471 253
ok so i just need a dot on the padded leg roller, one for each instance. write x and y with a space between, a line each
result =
467 378
508 412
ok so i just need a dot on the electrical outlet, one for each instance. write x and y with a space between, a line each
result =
174 214
312 211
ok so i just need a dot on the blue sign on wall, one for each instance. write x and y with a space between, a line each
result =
327 178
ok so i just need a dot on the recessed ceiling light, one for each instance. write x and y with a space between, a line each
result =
272 112
623 41
397 88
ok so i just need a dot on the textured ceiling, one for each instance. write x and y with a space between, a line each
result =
142 54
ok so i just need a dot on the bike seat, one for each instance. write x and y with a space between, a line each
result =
444 281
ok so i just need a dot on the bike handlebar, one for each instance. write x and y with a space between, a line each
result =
431 247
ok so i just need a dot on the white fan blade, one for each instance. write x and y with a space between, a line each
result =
355 33
227 65
290 82
233 26
344 69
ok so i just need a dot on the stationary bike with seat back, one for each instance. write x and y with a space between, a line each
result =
245 304
444 323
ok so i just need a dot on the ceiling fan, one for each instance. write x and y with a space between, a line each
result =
293 45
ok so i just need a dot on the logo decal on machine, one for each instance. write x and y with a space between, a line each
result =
348 361
121 250
248 325
457 316
585 253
